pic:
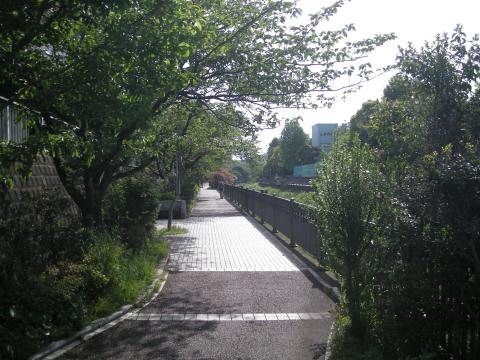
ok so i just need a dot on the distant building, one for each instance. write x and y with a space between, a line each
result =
322 136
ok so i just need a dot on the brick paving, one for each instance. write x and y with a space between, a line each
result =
233 293
226 244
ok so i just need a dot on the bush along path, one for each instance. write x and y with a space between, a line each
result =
232 292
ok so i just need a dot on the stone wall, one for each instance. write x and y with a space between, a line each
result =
44 178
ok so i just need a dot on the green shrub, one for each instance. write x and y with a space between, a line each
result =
55 276
349 210
41 287
115 275
132 205
344 346
167 196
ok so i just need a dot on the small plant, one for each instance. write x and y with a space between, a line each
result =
175 230
132 205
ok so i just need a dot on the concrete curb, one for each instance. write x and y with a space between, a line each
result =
99 325
328 351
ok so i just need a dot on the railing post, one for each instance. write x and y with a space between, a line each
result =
262 198
274 225
292 214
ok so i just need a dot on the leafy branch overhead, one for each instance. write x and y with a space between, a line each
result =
103 76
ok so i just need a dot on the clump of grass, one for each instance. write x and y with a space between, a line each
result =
127 274
344 346
301 197
175 230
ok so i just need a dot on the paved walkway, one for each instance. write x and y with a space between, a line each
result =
233 292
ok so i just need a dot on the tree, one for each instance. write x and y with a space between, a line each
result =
361 122
348 213
425 292
200 143
273 166
101 80
293 145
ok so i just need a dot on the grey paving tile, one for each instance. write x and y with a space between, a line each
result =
282 317
202 317
305 316
213 317
293 316
271 316
248 317
142 317
237 317
225 317
226 243
178 317
259 316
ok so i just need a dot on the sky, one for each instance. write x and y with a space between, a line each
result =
414 21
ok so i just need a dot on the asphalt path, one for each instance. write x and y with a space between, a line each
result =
290 290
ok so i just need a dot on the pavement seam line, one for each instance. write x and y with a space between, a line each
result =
218 317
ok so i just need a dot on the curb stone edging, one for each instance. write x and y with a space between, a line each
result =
99 325
328 351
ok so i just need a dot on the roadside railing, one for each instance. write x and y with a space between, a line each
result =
287 216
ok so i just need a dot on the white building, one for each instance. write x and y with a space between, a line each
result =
322 136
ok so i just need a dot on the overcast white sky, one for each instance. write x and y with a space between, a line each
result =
413 21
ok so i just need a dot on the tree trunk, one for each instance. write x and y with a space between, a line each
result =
177 191
92 209
352 298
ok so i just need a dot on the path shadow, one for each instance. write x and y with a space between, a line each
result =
144 340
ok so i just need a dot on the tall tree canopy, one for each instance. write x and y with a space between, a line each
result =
100 75
294 145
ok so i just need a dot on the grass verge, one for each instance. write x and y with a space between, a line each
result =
131 272
175 230
301 197
344 346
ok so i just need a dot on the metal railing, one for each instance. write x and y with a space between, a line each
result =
13 126
287 216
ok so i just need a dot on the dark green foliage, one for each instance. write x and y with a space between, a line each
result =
349 210
429 297
424 298
40 278
247 170
241 174
361 122
273 166
132 205
292 149
56 276
293 146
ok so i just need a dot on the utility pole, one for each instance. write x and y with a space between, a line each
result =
177 190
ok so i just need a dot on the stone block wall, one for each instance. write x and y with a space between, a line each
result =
44 177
